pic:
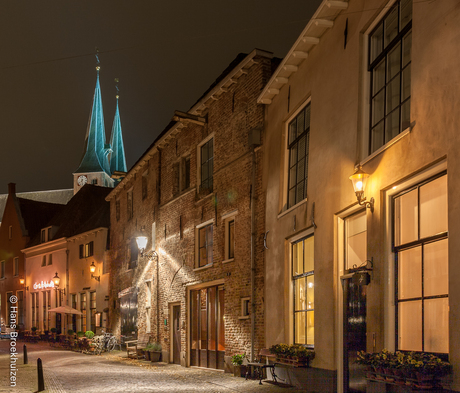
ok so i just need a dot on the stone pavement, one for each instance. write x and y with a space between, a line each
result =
71 372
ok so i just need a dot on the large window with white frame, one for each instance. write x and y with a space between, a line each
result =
389 65
298 141
421 267
304 291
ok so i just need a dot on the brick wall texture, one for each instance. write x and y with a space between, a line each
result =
176 213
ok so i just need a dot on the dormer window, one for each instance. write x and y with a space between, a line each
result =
46 235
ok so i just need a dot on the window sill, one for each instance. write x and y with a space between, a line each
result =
292 208
387 145
198 269
245 317
228 260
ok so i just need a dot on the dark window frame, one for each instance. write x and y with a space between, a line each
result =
208 162
208 244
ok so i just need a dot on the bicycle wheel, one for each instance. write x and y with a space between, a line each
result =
111 344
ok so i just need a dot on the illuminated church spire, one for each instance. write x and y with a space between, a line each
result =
94 166
117 158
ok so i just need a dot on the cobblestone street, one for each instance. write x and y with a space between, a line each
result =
67 371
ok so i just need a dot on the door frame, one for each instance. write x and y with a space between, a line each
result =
341 276
171 333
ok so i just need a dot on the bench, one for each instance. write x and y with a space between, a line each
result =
134 345
263 361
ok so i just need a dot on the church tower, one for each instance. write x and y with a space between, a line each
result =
95 167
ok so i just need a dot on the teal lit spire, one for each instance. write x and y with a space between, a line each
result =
117 158
96 151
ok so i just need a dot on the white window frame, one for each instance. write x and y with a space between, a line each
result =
245 308
284 204
198 160
366 102
197 244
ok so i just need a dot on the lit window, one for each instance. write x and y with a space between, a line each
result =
422 267
298 141
390 74
304 291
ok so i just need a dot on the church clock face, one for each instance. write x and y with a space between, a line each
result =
82 180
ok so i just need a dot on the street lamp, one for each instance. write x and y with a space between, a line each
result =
141 241
92 269
359 180
56 281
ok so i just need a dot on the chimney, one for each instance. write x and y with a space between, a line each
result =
12 188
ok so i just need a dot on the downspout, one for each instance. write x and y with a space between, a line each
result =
253 267
67 252
158 257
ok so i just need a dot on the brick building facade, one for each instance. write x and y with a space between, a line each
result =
196 194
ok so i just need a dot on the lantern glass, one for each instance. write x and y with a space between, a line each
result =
141 242
56 280
92 267
359 180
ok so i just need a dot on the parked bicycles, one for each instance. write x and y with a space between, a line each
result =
105 343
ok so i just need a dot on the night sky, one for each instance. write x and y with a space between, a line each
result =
165 54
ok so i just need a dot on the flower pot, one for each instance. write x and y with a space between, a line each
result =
147 355
155 356
236 371
140 354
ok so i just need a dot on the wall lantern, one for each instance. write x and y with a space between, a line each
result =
56 281
92 269
141 241
359 180
22 281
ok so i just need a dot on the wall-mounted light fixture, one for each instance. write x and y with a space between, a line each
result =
92 269
141 241
359 180
56 281
22 281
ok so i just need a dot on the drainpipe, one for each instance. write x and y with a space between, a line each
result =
67 277
158 257
253 267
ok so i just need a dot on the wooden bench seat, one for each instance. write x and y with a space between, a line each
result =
133 346
265 359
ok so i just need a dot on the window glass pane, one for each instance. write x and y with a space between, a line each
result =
433 207
436 268
307 117
407 45
292 131
300 123
393 97
406 12
410 326
436 324
231 239
391 25
378 107
406 211
292 176
297 261
406 83
309 253
202 235
293 155
410 273
378 77
300 294
301 148
310 292
299 193
377 136
300 328
301 170
204 153
392 125
356 238
310 327
405 115
394 60
212 319
376 42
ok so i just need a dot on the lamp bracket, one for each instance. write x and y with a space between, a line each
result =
149 254
363 202
97 278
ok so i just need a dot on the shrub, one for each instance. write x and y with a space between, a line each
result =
149 347
237 360
34 329
70 332
53 330
89 334
80 334
156 347
293 351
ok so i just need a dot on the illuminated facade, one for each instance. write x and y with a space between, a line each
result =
367 83
195 194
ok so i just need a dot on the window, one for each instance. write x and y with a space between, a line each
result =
117 210
73 300
355 240
92 307
421 267
87 250
8 308
35 322
20 295
46 306
134 253
205 240
130 205
181 172
298 141
245 307
83 310
94 181
10 232
16 266
390 74
45 235
2 270
43 260
50 259
206 164
304 291
145 185
229 237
